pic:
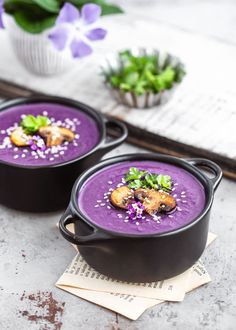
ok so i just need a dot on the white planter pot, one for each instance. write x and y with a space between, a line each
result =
36 52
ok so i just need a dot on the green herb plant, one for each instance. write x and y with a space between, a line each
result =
32 124
141 74
35 16
142 179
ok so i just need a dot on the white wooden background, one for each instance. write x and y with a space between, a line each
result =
201 114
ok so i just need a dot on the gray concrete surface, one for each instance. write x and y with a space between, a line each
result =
33 255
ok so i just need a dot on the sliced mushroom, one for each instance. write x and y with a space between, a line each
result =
155 201
121 197
19 138
55 135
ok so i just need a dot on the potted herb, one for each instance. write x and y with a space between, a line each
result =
48 35
142 78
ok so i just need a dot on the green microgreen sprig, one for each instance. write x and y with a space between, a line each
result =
142 179
32 124
141 74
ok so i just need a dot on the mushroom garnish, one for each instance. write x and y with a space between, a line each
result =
121 197
19 138
155 201
55 135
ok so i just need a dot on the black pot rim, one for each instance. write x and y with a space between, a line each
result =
82 107
206 182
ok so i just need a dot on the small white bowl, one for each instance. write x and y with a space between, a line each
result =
112 63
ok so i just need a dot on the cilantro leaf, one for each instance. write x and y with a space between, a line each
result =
31 124
136 184
164 181
141 74
142 179
134 174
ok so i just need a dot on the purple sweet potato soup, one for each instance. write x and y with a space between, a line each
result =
84 127
94 202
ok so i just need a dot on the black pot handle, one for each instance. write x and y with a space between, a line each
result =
68 218
213 167
109 145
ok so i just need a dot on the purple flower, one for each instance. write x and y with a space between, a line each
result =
74 31
135 210
1 12
37 143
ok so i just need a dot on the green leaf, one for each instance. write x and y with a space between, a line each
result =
125 87
141 74
151 180
164 181
132 78
134 174
51 6
109 9
115 80
31 124
142 179
136 184
42 121
33 24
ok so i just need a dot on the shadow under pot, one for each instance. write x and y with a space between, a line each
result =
45 143
142 218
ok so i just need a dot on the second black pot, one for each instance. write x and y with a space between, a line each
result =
47 188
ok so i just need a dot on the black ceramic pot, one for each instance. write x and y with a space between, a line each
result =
47 188
146 258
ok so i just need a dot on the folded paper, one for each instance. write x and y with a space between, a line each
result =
83 281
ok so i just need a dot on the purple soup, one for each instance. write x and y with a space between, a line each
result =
84 127
94 199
